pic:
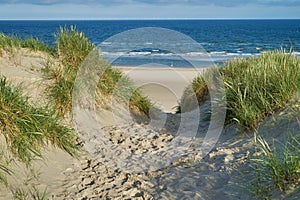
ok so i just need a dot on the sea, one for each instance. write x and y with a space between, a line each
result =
178 43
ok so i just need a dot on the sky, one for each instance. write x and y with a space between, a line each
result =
150 9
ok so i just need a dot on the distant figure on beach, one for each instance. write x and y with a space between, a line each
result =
171 65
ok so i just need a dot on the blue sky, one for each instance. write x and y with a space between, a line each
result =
153 9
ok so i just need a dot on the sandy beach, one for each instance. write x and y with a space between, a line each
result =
163 85
224 173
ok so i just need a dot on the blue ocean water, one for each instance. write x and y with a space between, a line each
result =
221 39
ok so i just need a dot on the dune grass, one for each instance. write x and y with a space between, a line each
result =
197 92
9 42
113 82
73 47
275 168
60 90
4 168
256 87
28 129
29 193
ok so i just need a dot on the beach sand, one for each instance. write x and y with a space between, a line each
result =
163 85
224 173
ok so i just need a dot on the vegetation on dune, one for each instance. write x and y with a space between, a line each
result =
275 168
73 48
4 168
197 90
28 129
9 42
30 194
255 87
113 82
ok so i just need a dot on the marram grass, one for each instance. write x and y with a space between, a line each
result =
73 48
9 42
4 168
60 92
276 168
28 129
30 193
256 87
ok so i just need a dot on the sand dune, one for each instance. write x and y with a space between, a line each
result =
154 162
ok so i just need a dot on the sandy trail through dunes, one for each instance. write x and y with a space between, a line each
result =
223 174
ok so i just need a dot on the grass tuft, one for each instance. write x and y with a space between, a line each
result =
256 87
28 129
113 82
4 169
197 90
30 194
276 169
10 42
73 49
